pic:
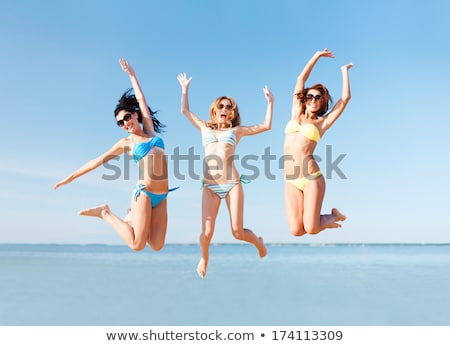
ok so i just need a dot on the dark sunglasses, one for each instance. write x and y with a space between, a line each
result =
220 106
309 97
126 117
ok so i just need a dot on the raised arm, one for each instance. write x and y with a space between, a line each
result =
340 105
147 122
303 77
266 124
116 150
185 82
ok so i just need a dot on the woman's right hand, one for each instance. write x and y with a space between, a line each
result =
126 67
326 53
62 182
184 81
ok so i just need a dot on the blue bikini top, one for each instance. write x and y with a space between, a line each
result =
228 136
141 150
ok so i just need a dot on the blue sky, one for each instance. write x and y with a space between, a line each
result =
61 80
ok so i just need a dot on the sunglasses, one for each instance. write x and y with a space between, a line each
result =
126 117
310 97
220 106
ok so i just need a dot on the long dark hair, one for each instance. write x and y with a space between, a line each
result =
129 103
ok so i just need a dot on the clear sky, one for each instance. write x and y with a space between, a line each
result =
60 82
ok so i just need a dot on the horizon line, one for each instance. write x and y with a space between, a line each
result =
240 244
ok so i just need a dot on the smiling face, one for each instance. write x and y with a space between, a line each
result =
313 100
127 120
224 112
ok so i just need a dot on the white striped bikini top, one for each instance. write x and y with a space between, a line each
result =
227 136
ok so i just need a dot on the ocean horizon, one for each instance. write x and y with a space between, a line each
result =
348 284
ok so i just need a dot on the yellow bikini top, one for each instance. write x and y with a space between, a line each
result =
308 130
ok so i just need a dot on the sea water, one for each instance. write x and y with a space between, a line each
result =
295 285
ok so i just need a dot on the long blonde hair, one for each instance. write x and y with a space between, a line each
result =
213 123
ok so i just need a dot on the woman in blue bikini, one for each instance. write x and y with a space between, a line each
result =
304 183
220 135
148 216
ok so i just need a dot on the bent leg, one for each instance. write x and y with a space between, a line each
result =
135 237
235 204
141 214
293 205
314 222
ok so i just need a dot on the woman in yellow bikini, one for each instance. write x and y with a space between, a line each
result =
304 182
220 136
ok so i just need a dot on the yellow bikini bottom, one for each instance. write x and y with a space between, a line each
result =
300 183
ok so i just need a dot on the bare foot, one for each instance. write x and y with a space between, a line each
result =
334 225
262 248
201 268
96 211
338 215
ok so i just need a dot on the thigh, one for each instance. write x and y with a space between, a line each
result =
210 208
158 228
235 205
141 209
313 197
293 205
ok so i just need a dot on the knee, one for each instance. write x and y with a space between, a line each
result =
296 228
138 245
297 231
238 233
156 247
311 229
206 236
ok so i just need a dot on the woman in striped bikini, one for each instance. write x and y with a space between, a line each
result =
220 135
304 182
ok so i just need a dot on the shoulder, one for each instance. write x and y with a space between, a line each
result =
235 129
206 126
124 143
241 131
322 123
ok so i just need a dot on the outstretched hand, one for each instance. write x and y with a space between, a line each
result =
61 183
126 67
268 94
184 81
347 67
326 53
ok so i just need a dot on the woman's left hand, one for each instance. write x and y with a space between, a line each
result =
347 67
268 94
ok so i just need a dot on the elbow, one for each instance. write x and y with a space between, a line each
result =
266 127
346 98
